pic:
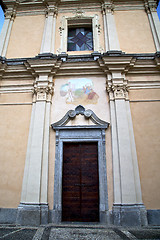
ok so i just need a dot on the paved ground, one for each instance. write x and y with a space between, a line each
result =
78 232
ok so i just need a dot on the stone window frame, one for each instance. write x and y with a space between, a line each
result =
84 133
67 22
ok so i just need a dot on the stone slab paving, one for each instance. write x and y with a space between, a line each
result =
146 233
22 233
82 234
79 232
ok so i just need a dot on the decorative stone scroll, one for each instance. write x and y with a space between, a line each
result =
71 114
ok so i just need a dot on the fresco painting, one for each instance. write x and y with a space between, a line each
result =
79 91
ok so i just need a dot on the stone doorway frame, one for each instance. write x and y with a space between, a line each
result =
84 133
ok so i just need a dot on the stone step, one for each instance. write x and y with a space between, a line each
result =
76 231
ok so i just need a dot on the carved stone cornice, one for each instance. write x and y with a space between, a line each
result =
2 69
117 91
43 65
115 61
11 7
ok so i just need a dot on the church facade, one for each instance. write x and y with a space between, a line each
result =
79 111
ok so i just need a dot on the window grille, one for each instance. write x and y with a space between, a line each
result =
80 39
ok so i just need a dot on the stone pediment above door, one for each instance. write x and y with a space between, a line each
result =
84 116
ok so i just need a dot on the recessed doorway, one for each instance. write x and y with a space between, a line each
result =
80 182
80 179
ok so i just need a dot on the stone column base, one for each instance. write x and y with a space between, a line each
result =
105 217
55 216
129 215
32 214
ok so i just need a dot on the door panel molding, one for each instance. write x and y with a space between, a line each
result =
80 182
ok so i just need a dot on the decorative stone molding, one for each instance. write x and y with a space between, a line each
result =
76 21
88 114
117 91
79 13
116 61
43 64
10 14
108 7
16 69
98 26
52 11
42 93
2 69
61 29
147 9
150 6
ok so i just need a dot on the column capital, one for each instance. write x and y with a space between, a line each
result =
150 6
10 14
51 11
43 93
108 7
117 91
147 9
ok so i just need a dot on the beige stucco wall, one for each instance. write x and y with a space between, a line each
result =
16 98
14 127
134 31
146 122
60 108
26 36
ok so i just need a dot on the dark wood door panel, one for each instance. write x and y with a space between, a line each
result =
80 183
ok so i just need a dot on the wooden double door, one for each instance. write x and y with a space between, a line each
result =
80 182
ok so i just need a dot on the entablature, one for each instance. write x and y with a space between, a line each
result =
112 65
24 7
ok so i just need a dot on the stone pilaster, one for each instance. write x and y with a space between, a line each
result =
150 7
33 208
48 41
6 30
128 208
110 32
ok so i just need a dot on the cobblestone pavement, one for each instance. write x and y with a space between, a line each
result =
78 232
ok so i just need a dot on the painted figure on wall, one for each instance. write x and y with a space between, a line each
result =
79 91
